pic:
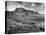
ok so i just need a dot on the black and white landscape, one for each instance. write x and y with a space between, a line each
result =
24 17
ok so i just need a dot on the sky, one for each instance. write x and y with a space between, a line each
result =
12 5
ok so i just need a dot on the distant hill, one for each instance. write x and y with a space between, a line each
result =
22 10
33 15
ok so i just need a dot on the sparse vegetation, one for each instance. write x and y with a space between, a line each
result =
26 25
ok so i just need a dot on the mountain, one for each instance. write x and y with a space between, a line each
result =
28 15
24 10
